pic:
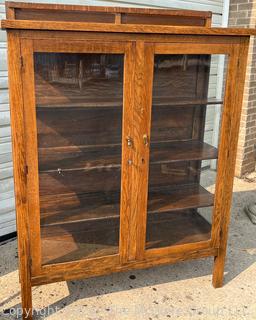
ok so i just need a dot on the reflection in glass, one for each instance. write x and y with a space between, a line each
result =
180 195
79 100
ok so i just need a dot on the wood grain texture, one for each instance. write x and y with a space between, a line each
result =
141 123
62 15
124 28
79 240
109 156
176 228
20 172
102 178
92 180
202 48
10 12
168 199
227 156
174 122
82 8
176 232
127 154
31 153
107 17
185 247
115 36
149 19
81 270
78 46
32 138
92 238
74 207
67 208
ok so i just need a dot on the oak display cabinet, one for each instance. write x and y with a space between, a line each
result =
111 112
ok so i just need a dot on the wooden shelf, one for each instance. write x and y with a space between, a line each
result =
87 239
79 157
78 240
118 103
88 158
67 95
73 208
67 208
176 228
169 102
172 151
183 197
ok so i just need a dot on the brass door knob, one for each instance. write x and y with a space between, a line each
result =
129 141
145 139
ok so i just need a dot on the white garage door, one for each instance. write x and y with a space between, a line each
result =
7 204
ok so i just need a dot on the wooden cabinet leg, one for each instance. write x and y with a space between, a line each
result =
218 269
26 294
26 300
219 260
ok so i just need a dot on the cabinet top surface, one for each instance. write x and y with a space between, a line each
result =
35 16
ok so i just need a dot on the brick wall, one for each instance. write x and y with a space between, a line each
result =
243 14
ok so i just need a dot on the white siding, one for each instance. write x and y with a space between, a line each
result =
7 211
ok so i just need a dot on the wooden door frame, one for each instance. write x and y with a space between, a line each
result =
237 57
28 47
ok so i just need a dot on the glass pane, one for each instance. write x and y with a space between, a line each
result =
186 114
79 100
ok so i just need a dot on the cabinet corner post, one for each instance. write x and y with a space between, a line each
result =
19 165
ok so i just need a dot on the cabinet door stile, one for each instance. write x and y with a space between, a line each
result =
126 214
31 152
141 119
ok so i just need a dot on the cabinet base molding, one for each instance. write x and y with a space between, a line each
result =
133 265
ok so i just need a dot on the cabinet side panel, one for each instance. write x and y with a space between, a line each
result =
227 155
19 163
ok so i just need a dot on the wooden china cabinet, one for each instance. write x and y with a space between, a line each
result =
112 125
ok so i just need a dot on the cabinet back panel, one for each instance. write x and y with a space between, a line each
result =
162 20
171 123
79 157
176 76
170 174
34 14
80 127
78 181
86 180
107 17
58 128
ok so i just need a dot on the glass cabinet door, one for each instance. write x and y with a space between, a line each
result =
185 123
79 111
